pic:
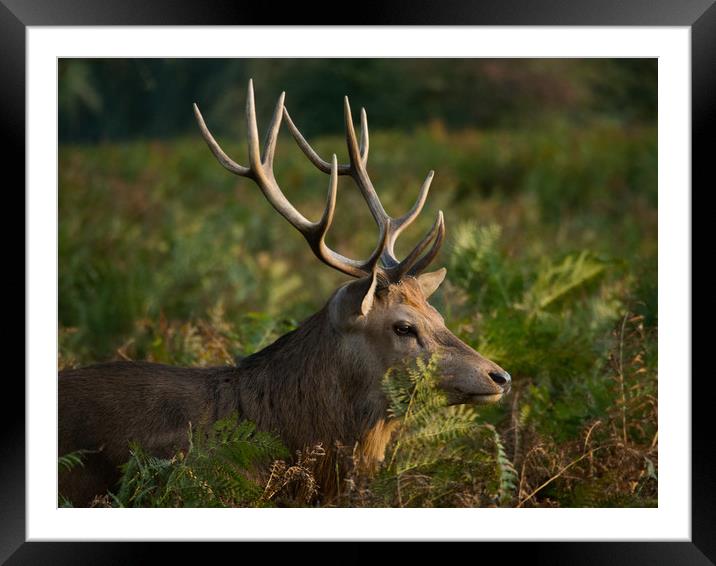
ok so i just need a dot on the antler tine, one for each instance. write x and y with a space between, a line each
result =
272 133
312 154
354 153
364 138
228 163
260 169
308 150
400 224
317 239
424 261
252 131
405 265
360 175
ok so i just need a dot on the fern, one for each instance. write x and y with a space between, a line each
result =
217 469
66 463
64 502
506 473
476 264
71 460
556 280
439 450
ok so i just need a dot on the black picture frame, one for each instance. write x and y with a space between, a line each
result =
698 15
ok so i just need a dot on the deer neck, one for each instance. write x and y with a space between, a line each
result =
309 387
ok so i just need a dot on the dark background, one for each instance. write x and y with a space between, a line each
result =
120 99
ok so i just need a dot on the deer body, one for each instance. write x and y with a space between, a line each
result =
319 383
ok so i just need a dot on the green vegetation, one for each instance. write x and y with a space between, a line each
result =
440 456
551 253
217 470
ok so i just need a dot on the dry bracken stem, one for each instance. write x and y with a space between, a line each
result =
522 470
558 474
515 426
621 377
122 350
589 433
338 479
268 485
586 442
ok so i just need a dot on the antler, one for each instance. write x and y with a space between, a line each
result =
260 170
356 169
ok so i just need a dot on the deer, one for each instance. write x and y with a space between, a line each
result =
320 383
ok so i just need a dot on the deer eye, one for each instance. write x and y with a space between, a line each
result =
404 329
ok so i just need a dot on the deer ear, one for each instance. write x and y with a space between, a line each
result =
355 299
429 282
367 303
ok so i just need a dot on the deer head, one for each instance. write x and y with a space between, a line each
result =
382 318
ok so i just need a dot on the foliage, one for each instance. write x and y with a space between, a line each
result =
217 470
294 484
187 241
439 451
552 256
71 460
66 463
585 369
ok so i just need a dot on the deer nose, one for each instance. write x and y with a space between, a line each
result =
501 378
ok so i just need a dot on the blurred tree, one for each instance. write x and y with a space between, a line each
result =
112 99
626 88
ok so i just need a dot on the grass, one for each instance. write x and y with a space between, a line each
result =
551 253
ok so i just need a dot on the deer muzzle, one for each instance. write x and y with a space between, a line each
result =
474 384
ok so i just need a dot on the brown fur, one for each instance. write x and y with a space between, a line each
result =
317 384
371 449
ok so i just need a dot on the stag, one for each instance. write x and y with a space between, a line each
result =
320 383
